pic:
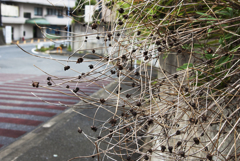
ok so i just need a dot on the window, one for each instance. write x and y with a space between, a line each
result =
27 15
60 13
51 11
38 11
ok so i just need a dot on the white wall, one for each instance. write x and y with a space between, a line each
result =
29 31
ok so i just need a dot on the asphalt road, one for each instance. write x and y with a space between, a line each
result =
20 111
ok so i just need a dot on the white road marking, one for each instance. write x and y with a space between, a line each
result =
33 51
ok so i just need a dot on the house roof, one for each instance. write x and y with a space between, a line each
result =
60 3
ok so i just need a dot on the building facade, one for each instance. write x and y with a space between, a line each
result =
32 18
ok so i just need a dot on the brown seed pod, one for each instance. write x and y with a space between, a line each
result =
146 157
128 95
94 26
79 77
49 78
76 90
209 51
120 23
94 128
191 120
179 143
196 140
90 66
178 132
145 52
133 84
127 129
66 68
125 16
93 51
154 16
113 71
181 153
170 148
120 67
138 104
121 10
138 32
35 84
67 86
79 130
175 76
150 121
159 49
137 73
209 157
163 148
49 83
102 100
150 150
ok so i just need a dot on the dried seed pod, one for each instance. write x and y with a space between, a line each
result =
128 95
94 128
79 77
98 37
196 140
145 52
138 32
102 100
94 26
146 58
93 51
163 148
158 42
191 120
79 130
66 68
154 16
113 71
85 40
127 129
209 157
121 10
182 153
49 83
48 78
179 143
137 73
109 35
67 86
159 49
120 23
118 34
178 132
150 121
133 84
175 76
120 67
138 104
125 16
76 90
170 148
209 51
146 157
35 84
150 150
90 66
179 51
134 113
123 57
113 121
128 158
99 137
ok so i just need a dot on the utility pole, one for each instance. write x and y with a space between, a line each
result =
1 13
68 24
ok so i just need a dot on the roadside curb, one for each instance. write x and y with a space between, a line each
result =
33 138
